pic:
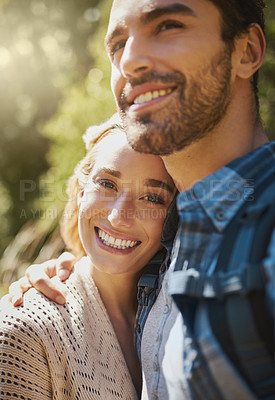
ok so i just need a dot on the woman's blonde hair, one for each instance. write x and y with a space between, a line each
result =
69 223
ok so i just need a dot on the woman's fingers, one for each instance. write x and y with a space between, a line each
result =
65 265
39 276
17 290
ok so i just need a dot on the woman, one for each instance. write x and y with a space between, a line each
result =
118 201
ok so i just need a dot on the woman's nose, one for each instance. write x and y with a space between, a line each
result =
122 212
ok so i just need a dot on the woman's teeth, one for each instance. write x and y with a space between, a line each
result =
148 96
115 243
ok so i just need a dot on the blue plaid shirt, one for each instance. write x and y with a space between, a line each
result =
204 211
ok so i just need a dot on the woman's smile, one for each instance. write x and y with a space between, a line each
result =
114 242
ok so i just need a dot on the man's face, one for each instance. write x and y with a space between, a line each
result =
171 71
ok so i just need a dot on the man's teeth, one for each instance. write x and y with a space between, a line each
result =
115 243
148 96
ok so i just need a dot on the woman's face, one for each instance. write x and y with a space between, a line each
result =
123 206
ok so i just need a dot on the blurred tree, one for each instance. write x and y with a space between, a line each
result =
43 51
267 74
88 102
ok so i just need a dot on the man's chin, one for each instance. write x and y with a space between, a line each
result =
148 143
158 137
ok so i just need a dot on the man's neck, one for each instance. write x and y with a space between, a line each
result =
211 153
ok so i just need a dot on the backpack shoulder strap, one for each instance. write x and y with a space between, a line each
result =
248 234
243 310
244 243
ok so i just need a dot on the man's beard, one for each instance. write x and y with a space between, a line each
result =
195 109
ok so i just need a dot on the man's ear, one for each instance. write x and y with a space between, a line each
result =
250 50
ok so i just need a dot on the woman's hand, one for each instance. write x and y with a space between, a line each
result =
38 276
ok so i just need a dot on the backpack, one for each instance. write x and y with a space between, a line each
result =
232 320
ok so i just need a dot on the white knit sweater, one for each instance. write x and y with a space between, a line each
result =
65 352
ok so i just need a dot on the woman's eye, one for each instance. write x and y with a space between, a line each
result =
168 25
107 184
153 198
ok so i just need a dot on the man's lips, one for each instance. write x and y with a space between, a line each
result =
148 92
149 96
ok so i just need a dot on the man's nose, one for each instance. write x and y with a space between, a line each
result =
136 58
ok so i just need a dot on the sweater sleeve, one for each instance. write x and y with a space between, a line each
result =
24 368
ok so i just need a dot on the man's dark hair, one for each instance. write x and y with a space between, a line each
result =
237 16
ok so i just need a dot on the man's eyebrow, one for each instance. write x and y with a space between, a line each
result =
111 36
148 16
109 171
175 8
157 183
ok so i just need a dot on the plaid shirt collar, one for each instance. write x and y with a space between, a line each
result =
222 193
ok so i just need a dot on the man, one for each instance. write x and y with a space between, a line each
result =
184 76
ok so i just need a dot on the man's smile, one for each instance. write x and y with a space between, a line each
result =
148 96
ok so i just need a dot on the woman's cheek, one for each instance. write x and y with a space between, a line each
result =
90 206
155 224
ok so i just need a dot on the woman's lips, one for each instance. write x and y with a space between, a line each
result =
115 244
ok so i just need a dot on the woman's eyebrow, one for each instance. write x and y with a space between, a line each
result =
109 171
157 183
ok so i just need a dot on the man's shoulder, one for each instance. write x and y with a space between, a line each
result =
255 161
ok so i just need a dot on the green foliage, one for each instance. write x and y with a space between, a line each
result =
267 75
43 53
86 103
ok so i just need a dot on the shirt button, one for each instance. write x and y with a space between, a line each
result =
155 394
219 214
155 366
159 337
163 268
166 309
